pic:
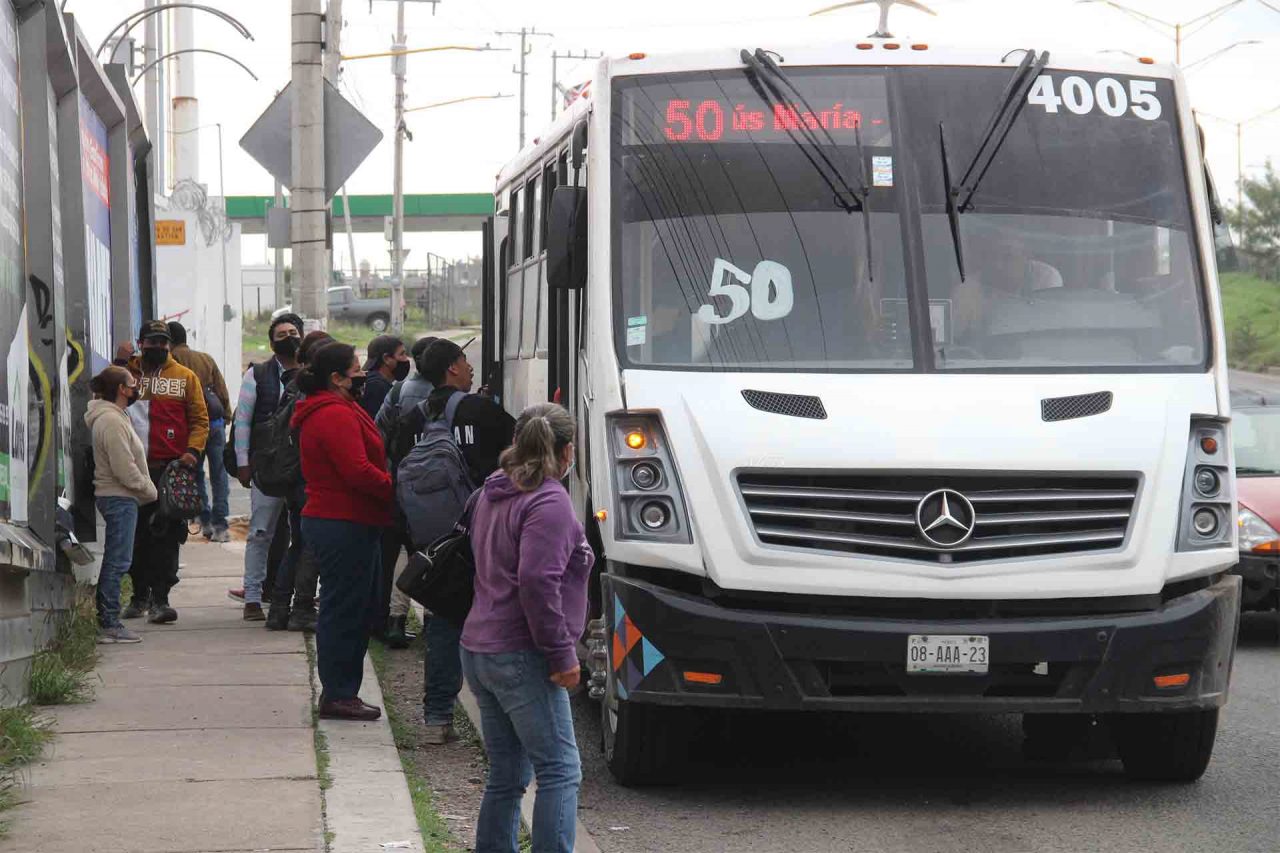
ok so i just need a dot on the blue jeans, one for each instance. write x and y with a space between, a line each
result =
528 729
349 558
121 515
264 515
217 516
443 671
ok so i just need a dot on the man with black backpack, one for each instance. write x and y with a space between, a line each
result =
262 392
481 430
405 395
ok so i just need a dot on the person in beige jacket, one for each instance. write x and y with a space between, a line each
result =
121 482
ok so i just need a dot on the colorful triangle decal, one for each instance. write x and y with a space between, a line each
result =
652 657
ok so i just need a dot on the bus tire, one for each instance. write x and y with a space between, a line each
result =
1165 747
641 742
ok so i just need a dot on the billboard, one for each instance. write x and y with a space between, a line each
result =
13 322
95 168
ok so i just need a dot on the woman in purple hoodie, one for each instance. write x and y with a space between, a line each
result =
519 644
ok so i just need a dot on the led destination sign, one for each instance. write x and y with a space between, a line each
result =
712 120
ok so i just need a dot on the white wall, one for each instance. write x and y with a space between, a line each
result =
193 287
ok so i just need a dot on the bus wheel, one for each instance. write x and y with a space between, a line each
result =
1165 747
641 742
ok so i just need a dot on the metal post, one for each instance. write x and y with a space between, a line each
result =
222 238
1177 43
153 96
308 214
186 108
398 64
279 259
556 88
1240 170
524 33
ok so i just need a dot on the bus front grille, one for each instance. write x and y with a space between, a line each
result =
984 517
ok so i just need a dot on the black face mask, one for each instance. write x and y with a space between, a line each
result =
131 399
286 347
357 386
155 357
402 370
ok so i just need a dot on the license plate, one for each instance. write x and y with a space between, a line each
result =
948 653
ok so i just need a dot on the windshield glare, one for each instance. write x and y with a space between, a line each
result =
732 249
1255 434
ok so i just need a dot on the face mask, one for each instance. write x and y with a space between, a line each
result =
131 398
357 386
402 369
286 347
155 357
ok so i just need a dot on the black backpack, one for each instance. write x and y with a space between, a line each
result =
433 482
400 436
277 464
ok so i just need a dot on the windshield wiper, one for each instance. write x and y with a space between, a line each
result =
766 76
959 196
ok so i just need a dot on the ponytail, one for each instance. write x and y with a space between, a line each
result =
326 360
542 433
106 385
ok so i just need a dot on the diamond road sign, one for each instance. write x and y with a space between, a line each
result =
349 137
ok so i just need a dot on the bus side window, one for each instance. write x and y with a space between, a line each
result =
529 220
549 183
514 282
517 227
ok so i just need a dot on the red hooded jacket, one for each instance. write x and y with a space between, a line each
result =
343 461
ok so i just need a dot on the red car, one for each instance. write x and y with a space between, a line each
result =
1256 436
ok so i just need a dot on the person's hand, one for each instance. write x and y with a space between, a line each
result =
188 459
567 679
245 475
124 352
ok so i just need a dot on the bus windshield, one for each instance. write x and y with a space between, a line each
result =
735 246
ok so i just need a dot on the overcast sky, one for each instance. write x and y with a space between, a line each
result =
460 148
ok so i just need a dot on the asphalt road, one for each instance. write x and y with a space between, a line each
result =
1256 383
932 784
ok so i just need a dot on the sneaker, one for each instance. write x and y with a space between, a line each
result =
136 609
253 612
220 535
162 614
437 734
348 709
118 634
278 617
206 530
303 619
236 595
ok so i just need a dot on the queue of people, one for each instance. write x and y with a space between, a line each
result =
336 431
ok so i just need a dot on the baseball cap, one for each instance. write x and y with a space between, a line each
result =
155 329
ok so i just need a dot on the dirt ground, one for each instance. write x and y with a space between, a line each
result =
454 772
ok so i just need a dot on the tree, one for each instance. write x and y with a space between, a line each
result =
1258 223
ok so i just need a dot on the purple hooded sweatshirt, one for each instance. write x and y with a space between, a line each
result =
532 568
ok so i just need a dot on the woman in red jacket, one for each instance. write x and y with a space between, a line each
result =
349 500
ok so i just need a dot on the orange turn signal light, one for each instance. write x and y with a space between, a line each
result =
865 45
1181 679
602 515
636 440
636 55
1209 444
1272 547
711 678
893 45
919 47
1146 60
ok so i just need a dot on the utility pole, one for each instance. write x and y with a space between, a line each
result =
398 66
525 50
186 108
332 60
308 214
279 259
556 89
154 96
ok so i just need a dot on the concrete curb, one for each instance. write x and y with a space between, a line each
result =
368 804
583 842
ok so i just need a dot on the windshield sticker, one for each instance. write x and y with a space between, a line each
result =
1108 96
769 297
882 171
637 331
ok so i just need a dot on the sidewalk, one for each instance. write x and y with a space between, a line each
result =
200 738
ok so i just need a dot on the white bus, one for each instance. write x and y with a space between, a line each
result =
901 384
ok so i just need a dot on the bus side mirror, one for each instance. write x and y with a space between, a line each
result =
567 239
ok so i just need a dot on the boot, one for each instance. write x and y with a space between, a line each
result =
395 637
278 617
303 618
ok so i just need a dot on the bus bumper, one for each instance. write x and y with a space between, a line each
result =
672 648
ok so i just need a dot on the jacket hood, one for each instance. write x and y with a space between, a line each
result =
102 409
312 403
500 488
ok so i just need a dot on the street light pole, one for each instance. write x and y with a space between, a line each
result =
522 71
309 211
1239 126
1179 31
398 64
556 88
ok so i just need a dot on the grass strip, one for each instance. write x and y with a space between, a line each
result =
62 673
436 837
24 733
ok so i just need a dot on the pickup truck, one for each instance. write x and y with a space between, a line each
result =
345 305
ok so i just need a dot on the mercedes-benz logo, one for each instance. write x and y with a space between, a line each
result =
945 518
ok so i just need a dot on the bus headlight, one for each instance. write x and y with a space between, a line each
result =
1206 490
649 503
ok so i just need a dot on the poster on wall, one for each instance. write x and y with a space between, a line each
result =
95 168
13 329
135 253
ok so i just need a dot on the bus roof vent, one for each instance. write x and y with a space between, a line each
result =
793 405
1078 406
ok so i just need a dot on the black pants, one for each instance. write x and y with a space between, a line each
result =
155 551
347 554
394 541
296 578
